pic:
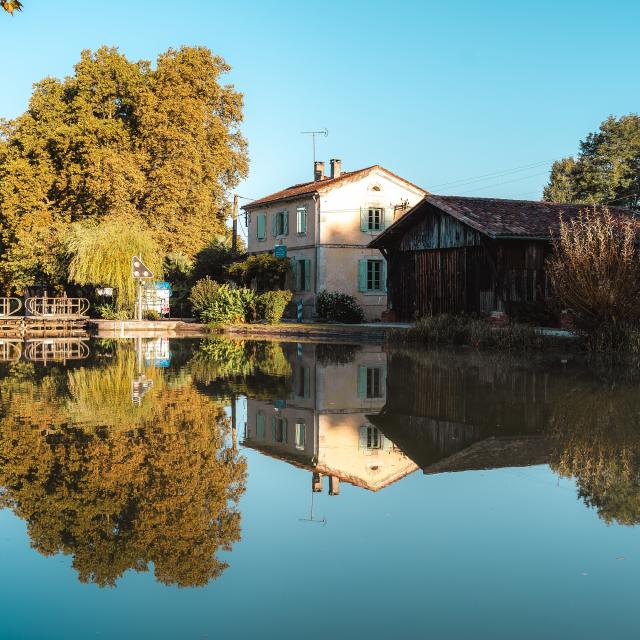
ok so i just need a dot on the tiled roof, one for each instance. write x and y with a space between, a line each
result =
494 217
317 186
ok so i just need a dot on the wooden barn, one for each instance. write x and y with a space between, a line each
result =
451 254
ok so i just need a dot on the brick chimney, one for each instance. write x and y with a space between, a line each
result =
318 170
336 167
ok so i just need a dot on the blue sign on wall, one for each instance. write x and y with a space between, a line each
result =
280 251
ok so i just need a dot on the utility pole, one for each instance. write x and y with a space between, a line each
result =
234 224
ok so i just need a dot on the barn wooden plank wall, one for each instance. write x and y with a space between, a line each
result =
441 265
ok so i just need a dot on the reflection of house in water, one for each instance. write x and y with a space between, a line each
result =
457 412
322 424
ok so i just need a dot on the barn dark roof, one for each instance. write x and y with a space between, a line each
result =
308 188
494 217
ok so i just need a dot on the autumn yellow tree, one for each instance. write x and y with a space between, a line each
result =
11 5
123 139
152 484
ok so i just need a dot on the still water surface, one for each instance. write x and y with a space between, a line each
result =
219 489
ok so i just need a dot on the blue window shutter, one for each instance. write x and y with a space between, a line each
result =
274 224
362 440
384 275
273 429
296 275
364 219
383 381
387 217
362 275
260 426
284 430
261 220
306 372
307 275
362 382
285 223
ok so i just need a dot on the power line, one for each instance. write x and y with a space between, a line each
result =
495 174
498 184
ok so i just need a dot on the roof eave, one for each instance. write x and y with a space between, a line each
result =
257 204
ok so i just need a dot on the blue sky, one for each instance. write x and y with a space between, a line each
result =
438 92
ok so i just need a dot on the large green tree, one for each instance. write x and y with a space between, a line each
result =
119 138
607 169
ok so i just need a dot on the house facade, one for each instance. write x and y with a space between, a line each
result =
322 424
324 227
452 254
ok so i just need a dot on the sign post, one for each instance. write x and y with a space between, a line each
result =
140 272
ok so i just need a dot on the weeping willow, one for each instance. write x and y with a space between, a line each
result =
101 255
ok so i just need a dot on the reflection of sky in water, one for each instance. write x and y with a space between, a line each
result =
502 553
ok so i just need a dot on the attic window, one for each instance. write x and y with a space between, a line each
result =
375 188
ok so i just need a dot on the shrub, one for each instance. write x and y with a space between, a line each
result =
109 312
270 305
214 260
595 272
473 332
268 271
229 305
202 294
152 314
338 307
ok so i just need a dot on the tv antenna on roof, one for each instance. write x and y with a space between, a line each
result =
313 134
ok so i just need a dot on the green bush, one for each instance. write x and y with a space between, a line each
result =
152 314
228 305
270 305
338 307
109 312
202 294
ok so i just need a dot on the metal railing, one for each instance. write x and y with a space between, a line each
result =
10 350
56 307
9 307
56 349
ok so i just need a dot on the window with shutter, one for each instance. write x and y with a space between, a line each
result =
362 275
260 425
294 271
261 226
307 275
372 219
301 221
281 223
300 435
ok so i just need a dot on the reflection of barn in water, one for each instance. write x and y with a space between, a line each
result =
455 412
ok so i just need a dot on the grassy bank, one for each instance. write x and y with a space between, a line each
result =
476 333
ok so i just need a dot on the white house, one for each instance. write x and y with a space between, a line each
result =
324 227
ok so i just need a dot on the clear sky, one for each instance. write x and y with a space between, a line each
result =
438 92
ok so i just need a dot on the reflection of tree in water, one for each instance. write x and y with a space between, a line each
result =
595 436
159 486
225 367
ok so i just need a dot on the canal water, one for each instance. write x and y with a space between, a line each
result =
158 488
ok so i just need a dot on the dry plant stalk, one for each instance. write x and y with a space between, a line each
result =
595 271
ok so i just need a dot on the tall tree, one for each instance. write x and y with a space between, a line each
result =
119 138
607 169
117 486
11 5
